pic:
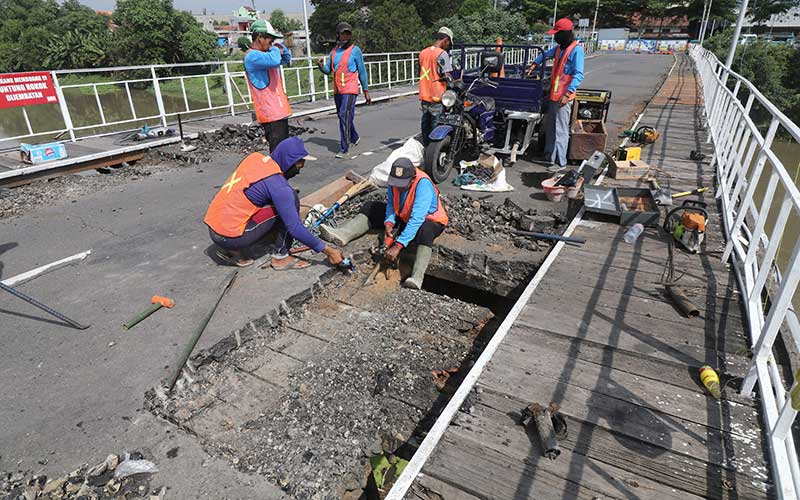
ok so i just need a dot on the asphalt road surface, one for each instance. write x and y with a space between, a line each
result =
70 397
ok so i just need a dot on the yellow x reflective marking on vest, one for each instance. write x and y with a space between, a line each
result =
426 74
231 182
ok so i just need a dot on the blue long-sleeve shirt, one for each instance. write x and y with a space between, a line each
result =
356 63
256 64
573 67
425 202
276 191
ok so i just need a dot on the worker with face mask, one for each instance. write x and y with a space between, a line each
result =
258 200
262 66
412 215
347 65
566 77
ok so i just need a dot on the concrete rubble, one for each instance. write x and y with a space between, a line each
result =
110 479
309 397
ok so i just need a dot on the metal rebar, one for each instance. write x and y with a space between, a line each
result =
187 351
43 307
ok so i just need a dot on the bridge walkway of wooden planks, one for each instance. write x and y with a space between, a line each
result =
599 338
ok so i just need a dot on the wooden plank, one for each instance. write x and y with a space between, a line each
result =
615 415
429 488
645 334
675 471
675 374
486 473
714 312
604 379
110 160
326 195
605 331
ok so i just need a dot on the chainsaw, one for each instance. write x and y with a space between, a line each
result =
687 224
642 135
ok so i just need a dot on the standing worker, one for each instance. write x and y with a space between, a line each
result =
566 77
435 67
413 205
347 64
262 65
257 200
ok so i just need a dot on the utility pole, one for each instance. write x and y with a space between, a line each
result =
594 24
736 32
704 21
555 9
308 53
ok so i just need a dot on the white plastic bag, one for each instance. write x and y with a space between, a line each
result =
499 185
130 467
412 149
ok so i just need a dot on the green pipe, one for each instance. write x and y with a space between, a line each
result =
141 316
187 351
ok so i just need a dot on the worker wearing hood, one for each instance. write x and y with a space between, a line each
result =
566 77
258 200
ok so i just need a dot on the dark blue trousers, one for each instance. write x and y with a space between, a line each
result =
346 109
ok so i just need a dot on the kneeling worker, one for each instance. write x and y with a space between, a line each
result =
413 205
256 200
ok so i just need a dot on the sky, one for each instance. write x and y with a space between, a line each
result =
214 6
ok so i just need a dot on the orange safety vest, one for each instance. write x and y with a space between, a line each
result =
404 213
559 81
230 210
270 103
344 80
430 88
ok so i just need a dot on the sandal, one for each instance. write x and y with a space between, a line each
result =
233 260
292 263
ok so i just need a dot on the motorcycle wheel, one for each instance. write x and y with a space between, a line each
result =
439 160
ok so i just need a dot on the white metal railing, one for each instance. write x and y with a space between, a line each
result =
302 82
744 161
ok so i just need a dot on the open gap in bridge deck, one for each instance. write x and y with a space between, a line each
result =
599 338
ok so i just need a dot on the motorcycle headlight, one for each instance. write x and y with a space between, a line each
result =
449 99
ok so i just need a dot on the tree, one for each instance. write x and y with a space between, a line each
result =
193 43
474 7
388 26
763 10
283 23
153 32
322 23
485 27
41 34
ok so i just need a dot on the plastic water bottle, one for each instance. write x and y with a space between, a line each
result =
632 234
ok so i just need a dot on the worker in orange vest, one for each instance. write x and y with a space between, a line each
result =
347 65
435 67
258 200
565 78
262 66
413 213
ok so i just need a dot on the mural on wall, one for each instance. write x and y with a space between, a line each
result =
644 45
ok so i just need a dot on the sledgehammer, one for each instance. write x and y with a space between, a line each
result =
157 302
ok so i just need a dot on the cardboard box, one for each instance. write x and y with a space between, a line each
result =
631 205
587 137
41 153
628 169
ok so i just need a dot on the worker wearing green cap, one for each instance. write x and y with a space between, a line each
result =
262 66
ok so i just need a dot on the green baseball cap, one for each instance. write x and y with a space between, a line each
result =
262 26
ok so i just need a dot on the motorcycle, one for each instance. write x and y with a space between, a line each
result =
466 124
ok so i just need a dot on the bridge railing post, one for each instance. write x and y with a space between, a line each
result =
62 105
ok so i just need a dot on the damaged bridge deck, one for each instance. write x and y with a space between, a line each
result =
598 338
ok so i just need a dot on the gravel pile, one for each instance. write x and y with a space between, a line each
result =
367 391
117 477
242 138
480 220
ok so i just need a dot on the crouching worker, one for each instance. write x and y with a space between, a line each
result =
258 200
413 206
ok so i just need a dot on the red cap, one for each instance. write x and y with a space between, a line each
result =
562 24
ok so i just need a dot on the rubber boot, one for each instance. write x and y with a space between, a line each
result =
421 262
344 234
